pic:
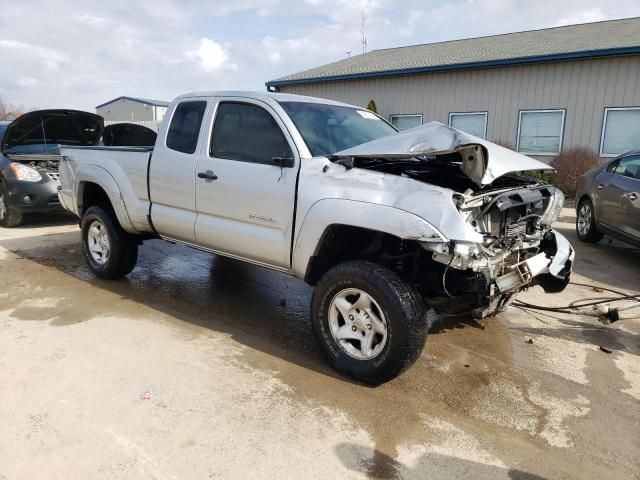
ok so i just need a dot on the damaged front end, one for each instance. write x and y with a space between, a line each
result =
499 236
518 249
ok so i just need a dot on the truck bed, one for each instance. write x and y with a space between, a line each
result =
127 166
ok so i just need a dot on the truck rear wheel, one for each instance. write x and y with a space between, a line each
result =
110 251
370 323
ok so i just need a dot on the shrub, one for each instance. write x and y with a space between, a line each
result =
372 106
541 175
570 165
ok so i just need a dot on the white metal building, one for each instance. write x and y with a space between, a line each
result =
132 109
541 91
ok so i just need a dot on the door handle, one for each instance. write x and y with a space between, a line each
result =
633 196
600 186
208 175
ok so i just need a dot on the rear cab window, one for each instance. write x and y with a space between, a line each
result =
248 133
184 129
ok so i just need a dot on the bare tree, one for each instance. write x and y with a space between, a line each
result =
9 111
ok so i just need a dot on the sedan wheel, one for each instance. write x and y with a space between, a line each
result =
3 207
586 223
584 219
9 217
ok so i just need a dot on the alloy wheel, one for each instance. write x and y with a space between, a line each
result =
3 207
358 324
98 242
584 219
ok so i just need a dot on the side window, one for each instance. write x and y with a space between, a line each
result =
247 133
185 126
628 167
612 166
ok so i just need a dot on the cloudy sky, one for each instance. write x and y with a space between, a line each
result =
79 54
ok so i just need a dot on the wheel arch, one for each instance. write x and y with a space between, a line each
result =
94 186
331 223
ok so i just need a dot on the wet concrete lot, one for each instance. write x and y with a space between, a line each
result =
196 366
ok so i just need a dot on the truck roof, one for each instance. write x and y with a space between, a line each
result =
265 97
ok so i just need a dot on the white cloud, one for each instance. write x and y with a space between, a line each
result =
210 54
78 55
592 15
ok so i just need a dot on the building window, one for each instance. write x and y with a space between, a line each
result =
540 131
474 123
620 131
404 122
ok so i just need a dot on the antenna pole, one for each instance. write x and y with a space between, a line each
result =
364 37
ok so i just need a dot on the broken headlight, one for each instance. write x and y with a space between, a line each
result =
556 202
25 173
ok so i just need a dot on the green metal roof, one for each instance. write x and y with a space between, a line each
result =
589 40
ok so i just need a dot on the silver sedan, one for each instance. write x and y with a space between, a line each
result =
609 201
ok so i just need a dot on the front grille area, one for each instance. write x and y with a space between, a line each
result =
55 176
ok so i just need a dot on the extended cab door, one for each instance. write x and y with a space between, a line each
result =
172 171
246 184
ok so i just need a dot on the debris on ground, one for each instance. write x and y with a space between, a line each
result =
605 349
529 341
146 395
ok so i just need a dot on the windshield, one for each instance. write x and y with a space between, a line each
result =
327 129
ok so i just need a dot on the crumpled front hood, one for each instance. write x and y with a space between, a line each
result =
53 127
482 161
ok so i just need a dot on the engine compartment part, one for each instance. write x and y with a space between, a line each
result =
41 163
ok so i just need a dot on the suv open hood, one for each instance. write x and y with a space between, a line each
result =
53 127
481 161
128 135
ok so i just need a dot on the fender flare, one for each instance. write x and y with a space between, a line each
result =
102 178
371 216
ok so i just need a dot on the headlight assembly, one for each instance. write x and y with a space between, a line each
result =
25 173
553 209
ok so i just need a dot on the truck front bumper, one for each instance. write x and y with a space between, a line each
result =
550 268
555 261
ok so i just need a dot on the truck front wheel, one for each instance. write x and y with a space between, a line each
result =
110 251
369 322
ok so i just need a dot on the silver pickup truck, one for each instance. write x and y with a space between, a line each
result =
387 226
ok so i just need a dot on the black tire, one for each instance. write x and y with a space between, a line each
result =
9 217
123 247
586 228
401 306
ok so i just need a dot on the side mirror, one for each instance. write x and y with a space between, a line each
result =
283 162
